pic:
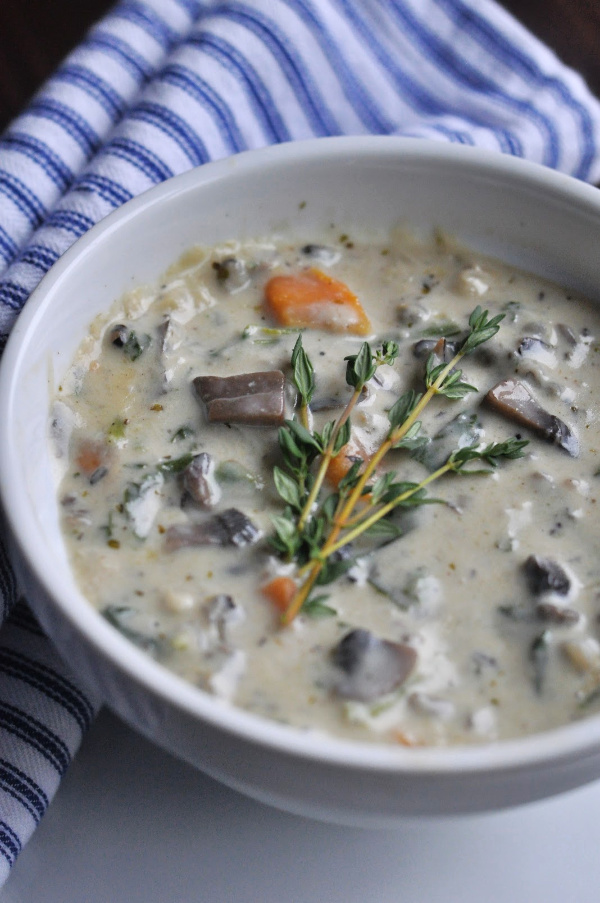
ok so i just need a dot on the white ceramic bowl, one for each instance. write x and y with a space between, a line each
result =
524 213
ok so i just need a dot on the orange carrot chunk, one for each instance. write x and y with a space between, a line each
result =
314 299
280 591
343 461
91 455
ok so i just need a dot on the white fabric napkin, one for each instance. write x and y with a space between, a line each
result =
160 86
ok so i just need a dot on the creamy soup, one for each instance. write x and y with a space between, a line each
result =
219 513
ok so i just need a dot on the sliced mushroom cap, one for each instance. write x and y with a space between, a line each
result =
546 576
221 611
230 528
370 667
256 399
513 399
232 273
444 349
463 430
556 614
431 706
199 480
131 343
539 654
323 253
536 349
119 334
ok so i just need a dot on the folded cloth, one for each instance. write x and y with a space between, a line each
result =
160 86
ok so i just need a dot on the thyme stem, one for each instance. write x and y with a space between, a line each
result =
395 436
326 457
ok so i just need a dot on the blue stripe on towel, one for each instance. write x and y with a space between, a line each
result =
174 127
256 92
138 155
36 736
10 843
41 154
22 197
73 124
514 56
95 87
23 789
367 106
203 94
56 687
298 76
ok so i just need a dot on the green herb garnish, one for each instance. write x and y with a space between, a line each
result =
135 345
315 528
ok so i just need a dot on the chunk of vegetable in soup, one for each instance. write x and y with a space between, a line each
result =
391 540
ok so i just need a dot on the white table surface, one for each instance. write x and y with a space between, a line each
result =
130 823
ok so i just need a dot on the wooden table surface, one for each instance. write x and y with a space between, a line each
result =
35 35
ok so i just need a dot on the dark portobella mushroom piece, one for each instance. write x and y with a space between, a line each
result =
131 343
539 654
232 273
98 475
255 399
240 529
567 334
442 348
166 336
556 614
327 403
537 350
230 528
221 607
370 667
546 576
324 254
118 335
199 480
222 610
513 399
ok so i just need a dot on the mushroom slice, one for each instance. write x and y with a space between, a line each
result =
463 430
444 349
240 529
322 253
132 344
514 400
370 667
431 706
546 576
232 273
221 611
556 614
539 654
536 349
199 480
230 528
256 399
118 335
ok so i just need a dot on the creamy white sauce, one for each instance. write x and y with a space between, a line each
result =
494 660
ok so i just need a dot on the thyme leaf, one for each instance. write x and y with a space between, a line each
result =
303 372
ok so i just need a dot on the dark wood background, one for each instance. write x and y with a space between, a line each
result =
35 35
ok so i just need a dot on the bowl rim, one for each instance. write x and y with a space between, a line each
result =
577 739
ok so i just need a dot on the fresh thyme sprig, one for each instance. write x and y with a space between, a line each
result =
313 531
360 368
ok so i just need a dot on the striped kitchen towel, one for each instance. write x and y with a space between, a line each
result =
160 86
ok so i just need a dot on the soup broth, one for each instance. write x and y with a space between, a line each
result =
469 619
